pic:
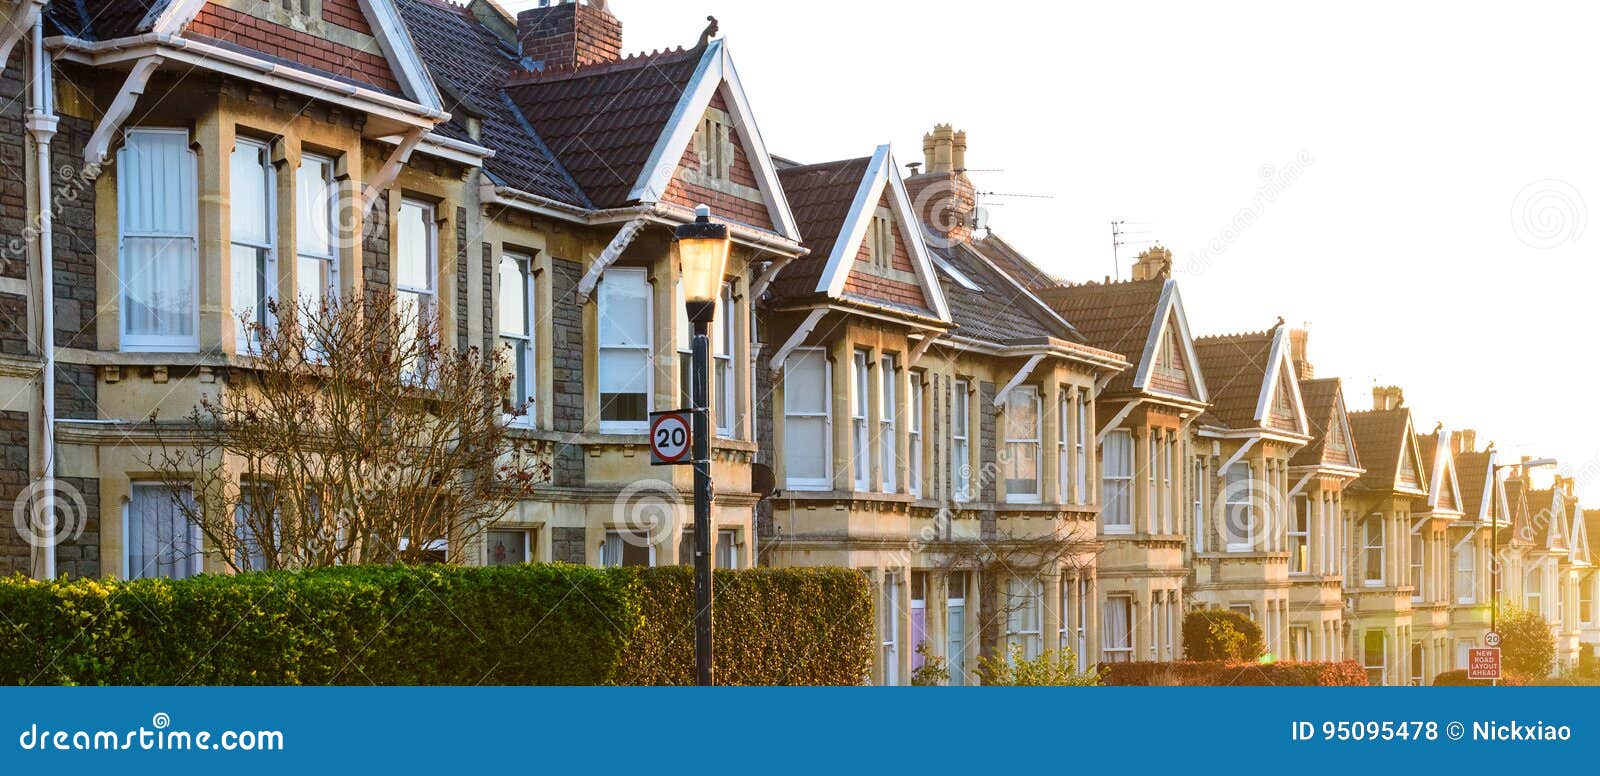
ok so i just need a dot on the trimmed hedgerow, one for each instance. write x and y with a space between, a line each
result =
1345 673
1458 678
432 625
769 626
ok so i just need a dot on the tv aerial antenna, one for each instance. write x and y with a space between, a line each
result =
1119 235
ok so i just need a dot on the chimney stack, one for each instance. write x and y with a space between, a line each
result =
1153 263
1387 397
1464 441
941 192
568 33
1297 354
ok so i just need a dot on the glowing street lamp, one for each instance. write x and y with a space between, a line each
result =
702 253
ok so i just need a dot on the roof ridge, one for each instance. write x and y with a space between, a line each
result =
564 71
1237 335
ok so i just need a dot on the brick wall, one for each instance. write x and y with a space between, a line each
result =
566 368
567 545
16 554
223 23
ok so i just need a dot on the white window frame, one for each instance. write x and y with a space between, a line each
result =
1081 462
527 544
725 549
1198 540
914 436
825 482
888 412
1025 617
1299 643
961 441
1168 459
646 350
889 626
605 550
1533 589
1233 502
196 538
1466 568
1116 477
724 401
1064 494
1121 653
1300 534
1152 478
861 447
264 267
956 611
525 369
1382 667
1368 548
329 257
427 297
1418 569
152 343
1013 444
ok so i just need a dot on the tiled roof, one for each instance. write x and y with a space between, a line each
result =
1321 399
820 196
1000 313
1235 367
1473 472
1110 316
1517 503
99 19
1541 517
469 63
1380 436
1591 527
1013 263
602 121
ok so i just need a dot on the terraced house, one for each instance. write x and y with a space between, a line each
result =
1245 444
469 161
932 422
1149 505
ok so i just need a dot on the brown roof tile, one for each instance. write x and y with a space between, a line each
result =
1110 316
1013 263
820 196
1235 367
1380 436
1321 399
602 121
1473 472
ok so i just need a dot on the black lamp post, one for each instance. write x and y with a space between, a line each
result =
702 252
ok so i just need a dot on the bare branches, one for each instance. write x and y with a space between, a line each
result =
357 438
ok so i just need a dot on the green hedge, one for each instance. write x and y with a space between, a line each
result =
1458 678
769 626
431 625
1218 673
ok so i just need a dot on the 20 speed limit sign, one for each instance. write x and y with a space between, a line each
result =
670 437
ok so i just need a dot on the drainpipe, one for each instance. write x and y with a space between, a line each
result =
42 126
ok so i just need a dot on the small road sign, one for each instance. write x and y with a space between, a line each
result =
670 437
1491 639
1483 663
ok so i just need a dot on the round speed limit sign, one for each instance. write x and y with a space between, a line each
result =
1491 639
669 438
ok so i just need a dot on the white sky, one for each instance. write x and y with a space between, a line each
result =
1392 163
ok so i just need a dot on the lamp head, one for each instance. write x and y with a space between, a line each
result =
702 247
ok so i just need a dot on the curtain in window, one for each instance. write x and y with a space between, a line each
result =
1118 630
1022 442
156 203
1118 476
160 539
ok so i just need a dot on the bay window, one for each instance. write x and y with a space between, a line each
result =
1373 657
1022 445
888 448
1533 589
253 256
862 448
960 442
1418 547
1117 481
807 423
515 316
1300 535
160 540
1081 462
417 296
625 347
1063 455
159 247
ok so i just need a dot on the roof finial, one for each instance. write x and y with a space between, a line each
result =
709 33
